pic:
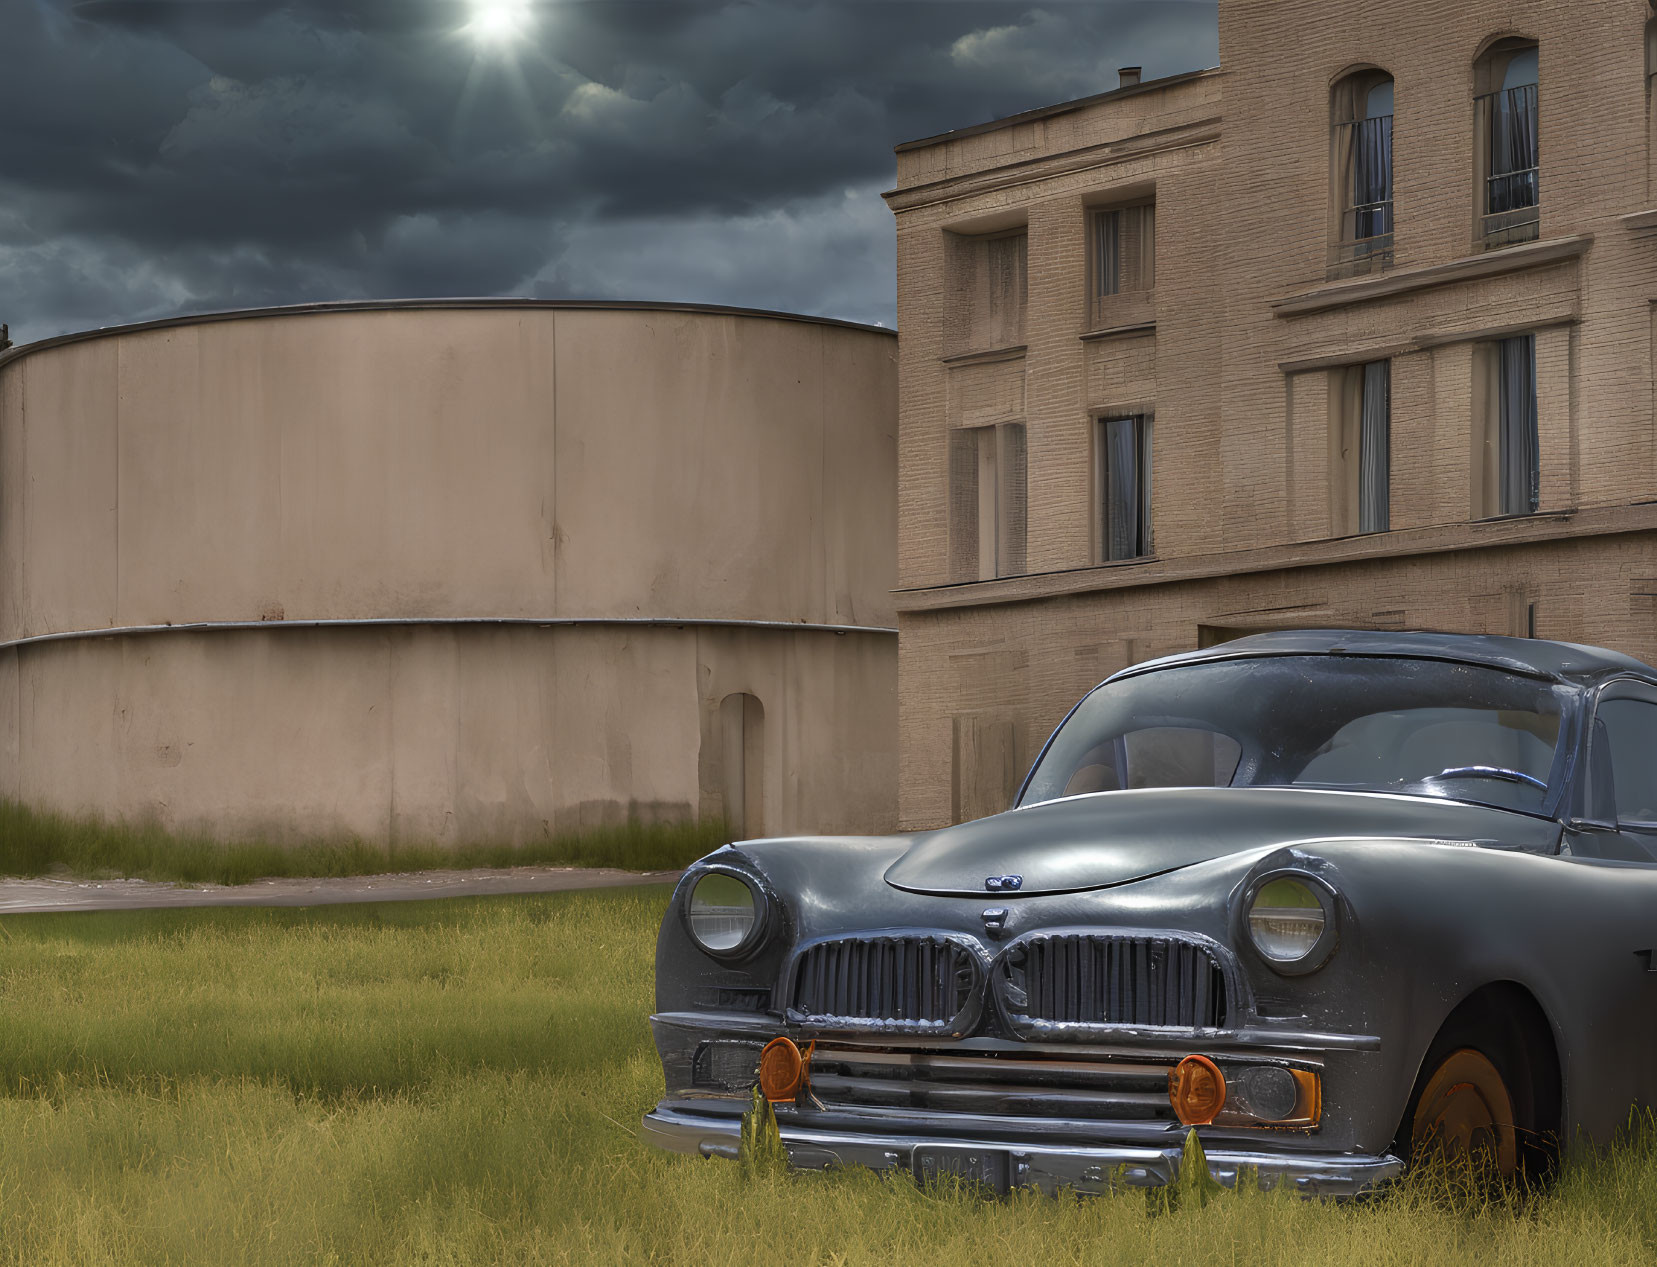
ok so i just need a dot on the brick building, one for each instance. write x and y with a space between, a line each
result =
1355 330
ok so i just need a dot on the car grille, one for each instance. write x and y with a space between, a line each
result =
1107 979
906 983
993 1085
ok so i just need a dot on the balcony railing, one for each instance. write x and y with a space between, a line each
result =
1512 186
1364 149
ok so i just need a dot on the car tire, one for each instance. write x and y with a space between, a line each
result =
1465 1108
1477 1087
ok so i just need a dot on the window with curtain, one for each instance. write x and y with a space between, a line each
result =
985 292
987 502
1124 258
1518 470
1361 172
1361 449
1123 458
1508 143
1375 448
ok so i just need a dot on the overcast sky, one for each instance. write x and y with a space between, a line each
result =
168 156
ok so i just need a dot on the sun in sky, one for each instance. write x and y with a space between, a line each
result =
498 22
502 34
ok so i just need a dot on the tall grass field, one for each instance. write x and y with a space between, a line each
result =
461 1082
34 842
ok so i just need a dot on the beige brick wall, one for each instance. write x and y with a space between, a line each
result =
1248 332
1028 662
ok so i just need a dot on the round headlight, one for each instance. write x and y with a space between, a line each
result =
1291 922
723 913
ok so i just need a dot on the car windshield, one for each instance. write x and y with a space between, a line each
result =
1420 727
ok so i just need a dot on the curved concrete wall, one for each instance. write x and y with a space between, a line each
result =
447 466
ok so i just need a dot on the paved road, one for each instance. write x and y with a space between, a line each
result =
25 896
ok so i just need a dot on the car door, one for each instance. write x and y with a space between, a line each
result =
1614 830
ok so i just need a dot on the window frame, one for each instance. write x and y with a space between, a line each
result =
1619 689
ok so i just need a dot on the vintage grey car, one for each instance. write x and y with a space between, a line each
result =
1326 897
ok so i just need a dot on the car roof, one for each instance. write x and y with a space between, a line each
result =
1558 661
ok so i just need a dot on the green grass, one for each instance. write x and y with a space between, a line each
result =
33 842
460 1083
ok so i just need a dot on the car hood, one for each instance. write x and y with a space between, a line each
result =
1110 838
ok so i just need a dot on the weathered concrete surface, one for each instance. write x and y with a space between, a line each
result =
530 462
447 734
517 462
21 897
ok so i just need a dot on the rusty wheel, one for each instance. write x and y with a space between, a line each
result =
1465 1109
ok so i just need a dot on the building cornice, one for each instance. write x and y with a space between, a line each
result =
1486 534
1357 353
1404 281
1640 221
372 623
1012 352
1061 107
1063 163
1116 332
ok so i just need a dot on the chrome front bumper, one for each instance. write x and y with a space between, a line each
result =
680 1127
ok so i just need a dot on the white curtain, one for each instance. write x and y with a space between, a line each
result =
1107 251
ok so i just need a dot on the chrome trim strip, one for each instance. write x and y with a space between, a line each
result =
931 1060
1036 1100
396 622
1241 1042
1082 1169
1264 787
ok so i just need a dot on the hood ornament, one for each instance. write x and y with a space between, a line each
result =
995 922
1003 883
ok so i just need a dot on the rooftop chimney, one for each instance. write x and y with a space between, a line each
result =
1128 76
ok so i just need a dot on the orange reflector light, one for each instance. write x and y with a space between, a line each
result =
1196 1089
1310 1106
782 1069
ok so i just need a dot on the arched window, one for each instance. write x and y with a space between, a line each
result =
1361 172
1506 142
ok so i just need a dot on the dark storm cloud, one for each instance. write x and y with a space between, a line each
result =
176 155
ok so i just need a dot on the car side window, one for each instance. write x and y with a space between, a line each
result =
1630 736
